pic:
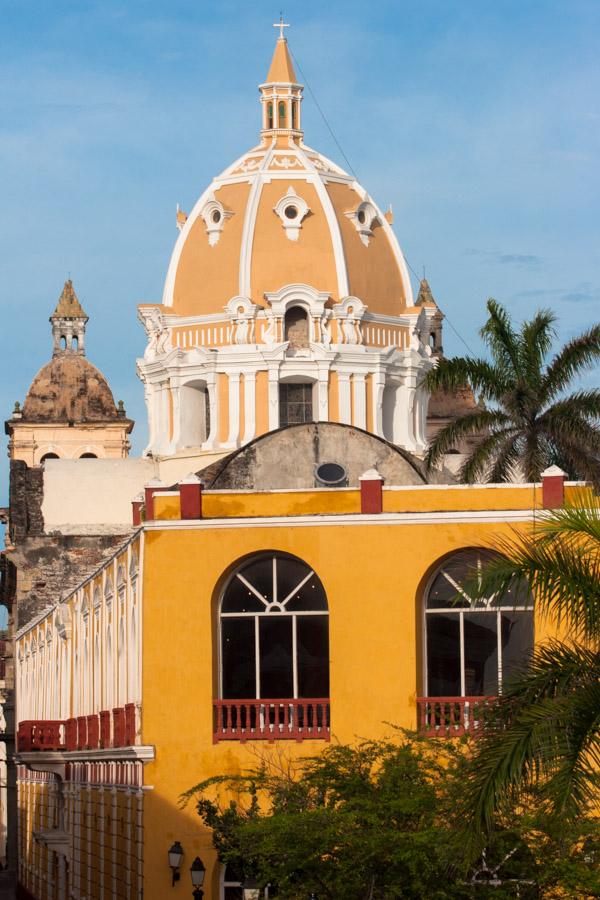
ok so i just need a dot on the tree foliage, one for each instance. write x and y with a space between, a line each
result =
543 734
370 822
526 418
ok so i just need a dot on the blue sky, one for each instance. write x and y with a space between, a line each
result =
478 121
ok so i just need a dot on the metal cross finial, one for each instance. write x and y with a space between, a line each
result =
281 25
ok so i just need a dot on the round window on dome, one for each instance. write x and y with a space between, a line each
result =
361 216
291 212
331 474
216 216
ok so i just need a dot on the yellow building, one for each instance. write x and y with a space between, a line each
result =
302 591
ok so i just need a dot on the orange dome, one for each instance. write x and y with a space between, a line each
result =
285 214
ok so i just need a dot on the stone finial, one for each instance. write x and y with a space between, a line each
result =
68 323
17 411
121 409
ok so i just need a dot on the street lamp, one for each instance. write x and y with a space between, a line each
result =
251 889
197 871
175 857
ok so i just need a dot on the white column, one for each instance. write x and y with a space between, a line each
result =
404 433
273 398
213 407
249 406
234 409
345 398
378 387
174 387
421 403
360 400
323 396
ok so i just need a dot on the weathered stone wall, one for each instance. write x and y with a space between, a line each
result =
49 566
26 493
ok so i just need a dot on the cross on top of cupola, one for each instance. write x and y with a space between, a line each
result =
281 95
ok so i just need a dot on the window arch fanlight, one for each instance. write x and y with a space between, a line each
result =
232 885
473 646
274 628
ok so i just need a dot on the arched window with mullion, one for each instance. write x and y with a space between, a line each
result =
472 646
274 631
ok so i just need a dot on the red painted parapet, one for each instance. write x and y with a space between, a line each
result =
371 492
71 734
137 505
105 728
451 716
271 720
553 487
130 725
81 732
190 497
93 732
119 727
153 487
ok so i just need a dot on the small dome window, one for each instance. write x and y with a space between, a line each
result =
331 474
291 209
282 114
364 218
269 115
215 215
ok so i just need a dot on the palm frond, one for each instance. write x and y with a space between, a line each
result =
581 403
459 372
490 455
577 355
476 422
502 340
529 739
563 575
536 340
507 462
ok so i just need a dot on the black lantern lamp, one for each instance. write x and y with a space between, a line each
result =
175 857
251 889
197 870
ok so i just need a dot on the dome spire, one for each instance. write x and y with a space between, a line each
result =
68 322
281 95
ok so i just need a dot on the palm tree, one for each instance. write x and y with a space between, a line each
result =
543 734
525 420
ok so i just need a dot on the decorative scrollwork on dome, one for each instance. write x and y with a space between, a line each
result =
215 215
291 209
364 218
287 162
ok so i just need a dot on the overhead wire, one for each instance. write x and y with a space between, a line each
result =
351 169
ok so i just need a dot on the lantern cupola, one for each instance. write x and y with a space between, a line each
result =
281 95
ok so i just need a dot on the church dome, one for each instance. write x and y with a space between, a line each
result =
69 388
284 214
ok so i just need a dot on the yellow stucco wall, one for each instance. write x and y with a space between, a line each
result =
374 577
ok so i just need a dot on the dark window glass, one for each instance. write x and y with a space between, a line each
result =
282 115
331 473
239 678
276 675
312 636
444 593
481 654
517 641
295 403
239 598
443 656
233 893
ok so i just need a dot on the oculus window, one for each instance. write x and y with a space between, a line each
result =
472 646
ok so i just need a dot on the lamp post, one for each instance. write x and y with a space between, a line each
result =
175 857
197 870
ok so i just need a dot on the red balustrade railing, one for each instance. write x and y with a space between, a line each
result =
41 735
271 720
109 728
451 716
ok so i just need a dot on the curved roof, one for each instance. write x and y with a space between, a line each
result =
287 458
340 241
71 389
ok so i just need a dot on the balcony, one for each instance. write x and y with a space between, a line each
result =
99 731
451 716
271 720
